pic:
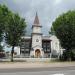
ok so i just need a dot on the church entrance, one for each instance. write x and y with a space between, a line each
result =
37 53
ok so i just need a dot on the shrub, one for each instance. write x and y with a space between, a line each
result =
68 55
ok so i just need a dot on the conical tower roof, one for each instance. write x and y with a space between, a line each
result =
36 20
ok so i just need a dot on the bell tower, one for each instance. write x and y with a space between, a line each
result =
36 27
37 37
36 33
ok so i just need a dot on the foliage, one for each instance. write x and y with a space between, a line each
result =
3 17
67 54
3 14
52 32
14 30
11 27
1 49
64 28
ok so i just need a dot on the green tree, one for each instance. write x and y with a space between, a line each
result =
1 49
64 28
14 30
3 14
51 32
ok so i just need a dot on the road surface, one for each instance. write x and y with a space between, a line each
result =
39 71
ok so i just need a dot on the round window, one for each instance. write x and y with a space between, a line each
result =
37 40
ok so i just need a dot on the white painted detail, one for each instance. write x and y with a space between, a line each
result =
17 50
34 40
57 74
36 30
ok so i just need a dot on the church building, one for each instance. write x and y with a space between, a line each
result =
37 45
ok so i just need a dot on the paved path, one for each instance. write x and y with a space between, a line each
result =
13 65
22 68
39 71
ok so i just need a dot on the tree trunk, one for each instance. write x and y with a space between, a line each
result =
12 53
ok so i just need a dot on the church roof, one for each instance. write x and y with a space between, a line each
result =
46 37
26 37
36 20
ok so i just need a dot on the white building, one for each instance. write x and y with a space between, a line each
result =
38 45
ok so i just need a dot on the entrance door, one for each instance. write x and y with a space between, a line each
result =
37 53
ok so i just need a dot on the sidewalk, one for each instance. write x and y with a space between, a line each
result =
10 65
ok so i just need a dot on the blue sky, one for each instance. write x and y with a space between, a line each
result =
47 10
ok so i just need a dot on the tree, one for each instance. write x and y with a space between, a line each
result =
1 49
51 32
14 30
3 13
64 28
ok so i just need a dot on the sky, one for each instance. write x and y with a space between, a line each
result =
48 10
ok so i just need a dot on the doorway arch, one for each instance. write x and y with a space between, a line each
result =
37 53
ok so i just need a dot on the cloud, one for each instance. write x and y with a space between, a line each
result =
57 2
47 10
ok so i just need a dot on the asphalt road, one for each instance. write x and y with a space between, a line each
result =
39 71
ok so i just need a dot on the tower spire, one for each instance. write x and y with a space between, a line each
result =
36 20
